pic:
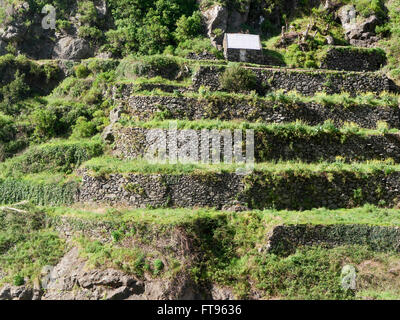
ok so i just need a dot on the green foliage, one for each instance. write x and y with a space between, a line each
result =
130 260
196 45
45 123
296 57
38 192
58 156
188 27
150 66
81 71
25 245
238 79
83 128
370 7
158 266
392 44
148 27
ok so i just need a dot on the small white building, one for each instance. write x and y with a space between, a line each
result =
240 47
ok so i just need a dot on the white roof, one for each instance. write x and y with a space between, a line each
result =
243 41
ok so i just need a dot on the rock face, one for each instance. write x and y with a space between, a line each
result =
9 292
359 31
217 21
70 281
70 48
3 50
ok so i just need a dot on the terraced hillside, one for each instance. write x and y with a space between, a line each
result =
111 186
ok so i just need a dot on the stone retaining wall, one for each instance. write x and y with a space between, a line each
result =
353 59
291 190
133 143
147 107
141 191
286 238
303 81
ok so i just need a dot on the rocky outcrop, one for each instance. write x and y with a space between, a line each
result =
70 48
24 292
359 31
216 18
70 280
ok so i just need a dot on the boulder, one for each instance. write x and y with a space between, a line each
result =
216 18
101 8
9 292
70 48
359 31
236 19
12 33
3 46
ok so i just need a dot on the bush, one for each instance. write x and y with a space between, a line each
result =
81 71
238 79
44 121
188 27
158 266
13 93
150 66
83 128
53 157
91 33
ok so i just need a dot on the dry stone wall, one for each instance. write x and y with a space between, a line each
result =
141 191
286 238
133 143
303 81
259 190
366 116
353 59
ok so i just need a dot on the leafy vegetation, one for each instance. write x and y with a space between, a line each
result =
26 245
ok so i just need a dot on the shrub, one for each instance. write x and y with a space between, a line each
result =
150 66
81 71
238 79
83 128
91 33
44 121
18 280
188 27
158 266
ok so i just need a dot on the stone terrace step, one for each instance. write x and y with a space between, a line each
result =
276 142
289 229
306 82
264 110
268 186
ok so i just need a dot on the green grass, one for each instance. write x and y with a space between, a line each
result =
52 157
344 100
368 215
26 245
231 249
110 165
295 128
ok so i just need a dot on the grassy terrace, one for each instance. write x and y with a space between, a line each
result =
385 99
368 214
294 129
107 164
230 249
